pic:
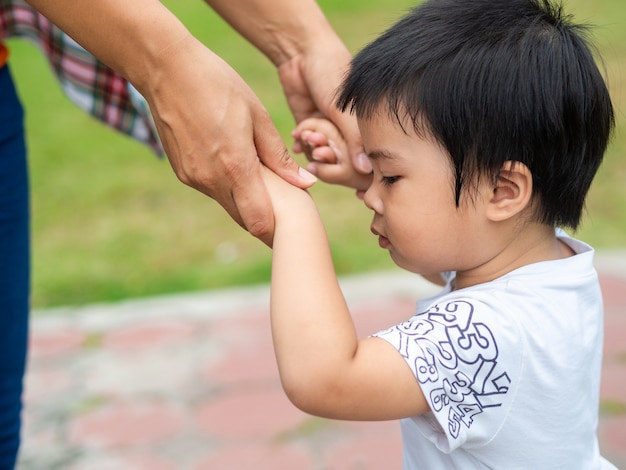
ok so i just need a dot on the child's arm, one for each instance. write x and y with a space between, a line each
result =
325 370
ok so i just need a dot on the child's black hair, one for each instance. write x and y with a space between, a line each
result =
494 81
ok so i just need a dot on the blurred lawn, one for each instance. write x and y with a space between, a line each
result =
110 221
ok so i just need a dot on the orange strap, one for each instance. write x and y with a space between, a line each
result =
4 54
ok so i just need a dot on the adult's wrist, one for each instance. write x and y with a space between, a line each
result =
161 62
300 40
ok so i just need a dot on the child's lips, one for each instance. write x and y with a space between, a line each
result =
383 241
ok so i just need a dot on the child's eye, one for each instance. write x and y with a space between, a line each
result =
389 180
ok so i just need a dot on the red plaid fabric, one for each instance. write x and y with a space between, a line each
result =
89 83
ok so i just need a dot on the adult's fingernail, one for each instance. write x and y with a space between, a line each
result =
363 163
307 176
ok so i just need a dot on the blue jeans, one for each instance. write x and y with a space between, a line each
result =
14 267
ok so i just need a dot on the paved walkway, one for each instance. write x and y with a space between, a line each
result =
189 382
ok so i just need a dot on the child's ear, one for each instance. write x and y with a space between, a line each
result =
512 192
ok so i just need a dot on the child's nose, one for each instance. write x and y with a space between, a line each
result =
372 201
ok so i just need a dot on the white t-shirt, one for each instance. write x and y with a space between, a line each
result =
511 370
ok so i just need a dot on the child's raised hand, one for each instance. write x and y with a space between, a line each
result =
327 152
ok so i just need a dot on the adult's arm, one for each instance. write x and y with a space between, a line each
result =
212 126
310 57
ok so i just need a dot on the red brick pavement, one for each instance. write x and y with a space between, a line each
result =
190 382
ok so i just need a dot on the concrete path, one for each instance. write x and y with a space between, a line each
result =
189 382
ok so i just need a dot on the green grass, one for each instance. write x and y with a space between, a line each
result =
110 221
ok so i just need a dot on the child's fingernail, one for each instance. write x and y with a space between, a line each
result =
334 148
363 163
307 176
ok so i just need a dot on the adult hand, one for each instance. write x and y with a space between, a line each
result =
310 80
309 56
215 134
212 126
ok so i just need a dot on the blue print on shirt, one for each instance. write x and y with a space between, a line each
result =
456 359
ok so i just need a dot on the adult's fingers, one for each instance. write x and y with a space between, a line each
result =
273 153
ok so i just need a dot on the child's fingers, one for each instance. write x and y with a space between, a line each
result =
343 174
324 155
315 138
297 146
316 146
314 124
320 140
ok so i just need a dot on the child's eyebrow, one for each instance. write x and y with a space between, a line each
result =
380 155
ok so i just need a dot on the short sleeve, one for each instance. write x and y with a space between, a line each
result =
466 356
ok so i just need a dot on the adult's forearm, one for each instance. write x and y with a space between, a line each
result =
281 29
132 37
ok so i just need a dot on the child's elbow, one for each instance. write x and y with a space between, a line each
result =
302 394
314 396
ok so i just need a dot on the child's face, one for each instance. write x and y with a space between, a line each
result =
412 196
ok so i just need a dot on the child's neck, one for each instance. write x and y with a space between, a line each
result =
533 244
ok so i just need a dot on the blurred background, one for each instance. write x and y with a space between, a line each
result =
111 221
